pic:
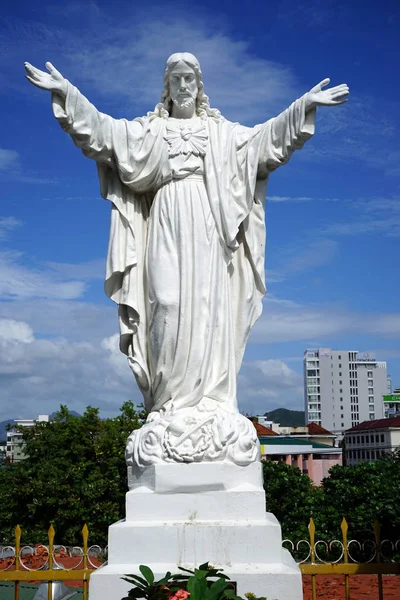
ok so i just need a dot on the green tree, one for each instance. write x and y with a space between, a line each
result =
362 494
75 473
291 497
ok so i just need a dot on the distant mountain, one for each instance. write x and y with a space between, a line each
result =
287 418
71 412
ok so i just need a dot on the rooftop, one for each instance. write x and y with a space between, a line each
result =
377 424
262 430
315 429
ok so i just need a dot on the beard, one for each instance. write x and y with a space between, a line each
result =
186 101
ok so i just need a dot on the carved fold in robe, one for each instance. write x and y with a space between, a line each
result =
186 251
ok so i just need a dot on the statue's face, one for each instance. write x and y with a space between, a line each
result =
183 85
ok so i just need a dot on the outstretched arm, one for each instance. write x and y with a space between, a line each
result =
98 135
288 132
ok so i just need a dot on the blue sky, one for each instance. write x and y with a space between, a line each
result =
333 213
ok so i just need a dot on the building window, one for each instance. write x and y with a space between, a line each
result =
370 391
367 439
340 374
339 357
362 439
377 438
342 424
369 374
382 437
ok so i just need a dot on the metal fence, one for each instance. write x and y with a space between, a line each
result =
49 563
52 563
371 556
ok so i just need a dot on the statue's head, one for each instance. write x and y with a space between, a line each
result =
182 80
183 85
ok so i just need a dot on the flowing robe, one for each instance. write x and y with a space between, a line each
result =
186 252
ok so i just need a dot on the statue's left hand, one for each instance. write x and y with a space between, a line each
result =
52 81
330 97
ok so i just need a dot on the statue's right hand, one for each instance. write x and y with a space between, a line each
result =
52 81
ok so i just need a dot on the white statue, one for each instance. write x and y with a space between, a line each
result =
186 252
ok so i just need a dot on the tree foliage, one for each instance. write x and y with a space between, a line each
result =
362 494
75 473
291 497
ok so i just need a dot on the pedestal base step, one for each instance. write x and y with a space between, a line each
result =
280 581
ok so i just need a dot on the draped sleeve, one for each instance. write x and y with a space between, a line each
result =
284 134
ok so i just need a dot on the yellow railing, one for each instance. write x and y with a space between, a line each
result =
16 569
346 565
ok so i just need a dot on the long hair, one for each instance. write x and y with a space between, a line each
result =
203 108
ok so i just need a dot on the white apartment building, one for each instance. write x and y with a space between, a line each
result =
15 444
342 388
370 440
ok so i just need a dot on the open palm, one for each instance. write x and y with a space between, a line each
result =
52 81
330 97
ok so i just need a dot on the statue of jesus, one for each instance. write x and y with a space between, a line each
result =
185 260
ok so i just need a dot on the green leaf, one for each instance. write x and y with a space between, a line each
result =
136 580
217 589
147 573
187 570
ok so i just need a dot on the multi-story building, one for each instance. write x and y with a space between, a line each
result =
303 450
342 388
15 444
372 439
391 403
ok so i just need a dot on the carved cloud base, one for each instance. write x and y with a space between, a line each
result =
204 432
187 514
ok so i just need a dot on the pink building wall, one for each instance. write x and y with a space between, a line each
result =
316 468
320 467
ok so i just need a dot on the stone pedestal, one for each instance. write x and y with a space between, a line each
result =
188 514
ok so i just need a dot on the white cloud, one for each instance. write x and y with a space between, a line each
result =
10 168
290 199
37 375
287 321
19 281
8 224
9 159
389 227
15 331
128 68
267 384
316 254
91 269
281 199
379 216
75 320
